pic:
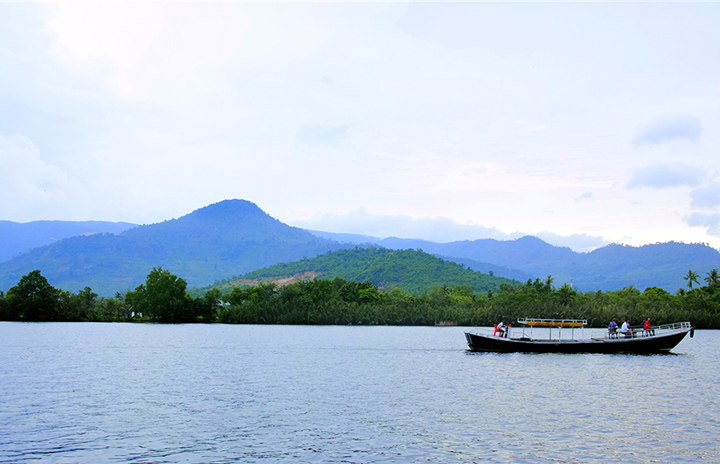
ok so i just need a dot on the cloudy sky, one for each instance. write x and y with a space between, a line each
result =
581 123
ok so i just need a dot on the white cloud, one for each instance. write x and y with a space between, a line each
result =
706 197
667 175
678 127
116 33
509 115
709 221
437 229
581 243
26 179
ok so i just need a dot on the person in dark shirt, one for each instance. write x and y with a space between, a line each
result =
612 328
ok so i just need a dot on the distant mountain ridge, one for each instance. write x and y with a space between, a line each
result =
234 237
214 242
17 238
612 267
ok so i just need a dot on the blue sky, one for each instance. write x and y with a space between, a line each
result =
581 123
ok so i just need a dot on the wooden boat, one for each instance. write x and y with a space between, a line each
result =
571 336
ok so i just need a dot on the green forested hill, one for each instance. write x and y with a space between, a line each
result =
612 267
413 271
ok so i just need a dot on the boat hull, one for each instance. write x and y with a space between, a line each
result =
654 344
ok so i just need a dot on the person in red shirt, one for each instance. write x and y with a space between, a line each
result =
647 327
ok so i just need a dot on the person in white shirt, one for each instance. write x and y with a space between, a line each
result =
625 329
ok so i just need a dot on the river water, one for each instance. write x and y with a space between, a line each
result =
146 393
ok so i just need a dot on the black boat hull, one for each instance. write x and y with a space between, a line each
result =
654 344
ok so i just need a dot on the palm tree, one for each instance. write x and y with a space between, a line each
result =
691 277
713 278
548 283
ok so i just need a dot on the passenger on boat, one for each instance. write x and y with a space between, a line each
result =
612 329
625 329
647 328
500 328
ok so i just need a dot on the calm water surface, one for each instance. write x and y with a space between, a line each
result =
143 393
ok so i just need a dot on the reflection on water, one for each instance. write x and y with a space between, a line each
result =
218 393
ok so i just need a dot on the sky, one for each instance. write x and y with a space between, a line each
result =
581 123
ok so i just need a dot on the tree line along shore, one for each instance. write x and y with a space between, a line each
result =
164 298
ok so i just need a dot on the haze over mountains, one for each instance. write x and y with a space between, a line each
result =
17 238
233 237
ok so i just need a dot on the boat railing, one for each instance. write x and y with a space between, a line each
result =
640 331
675 326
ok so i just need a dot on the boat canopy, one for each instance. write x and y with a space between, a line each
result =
531 322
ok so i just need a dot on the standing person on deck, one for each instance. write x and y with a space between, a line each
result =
647 328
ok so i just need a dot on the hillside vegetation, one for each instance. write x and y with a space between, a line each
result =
412 271
612 267
163 298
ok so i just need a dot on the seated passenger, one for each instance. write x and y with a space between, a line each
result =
625 329
612 329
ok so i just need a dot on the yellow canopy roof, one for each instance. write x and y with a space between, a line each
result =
553 322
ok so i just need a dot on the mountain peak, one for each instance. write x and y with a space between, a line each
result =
227 220
229 209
